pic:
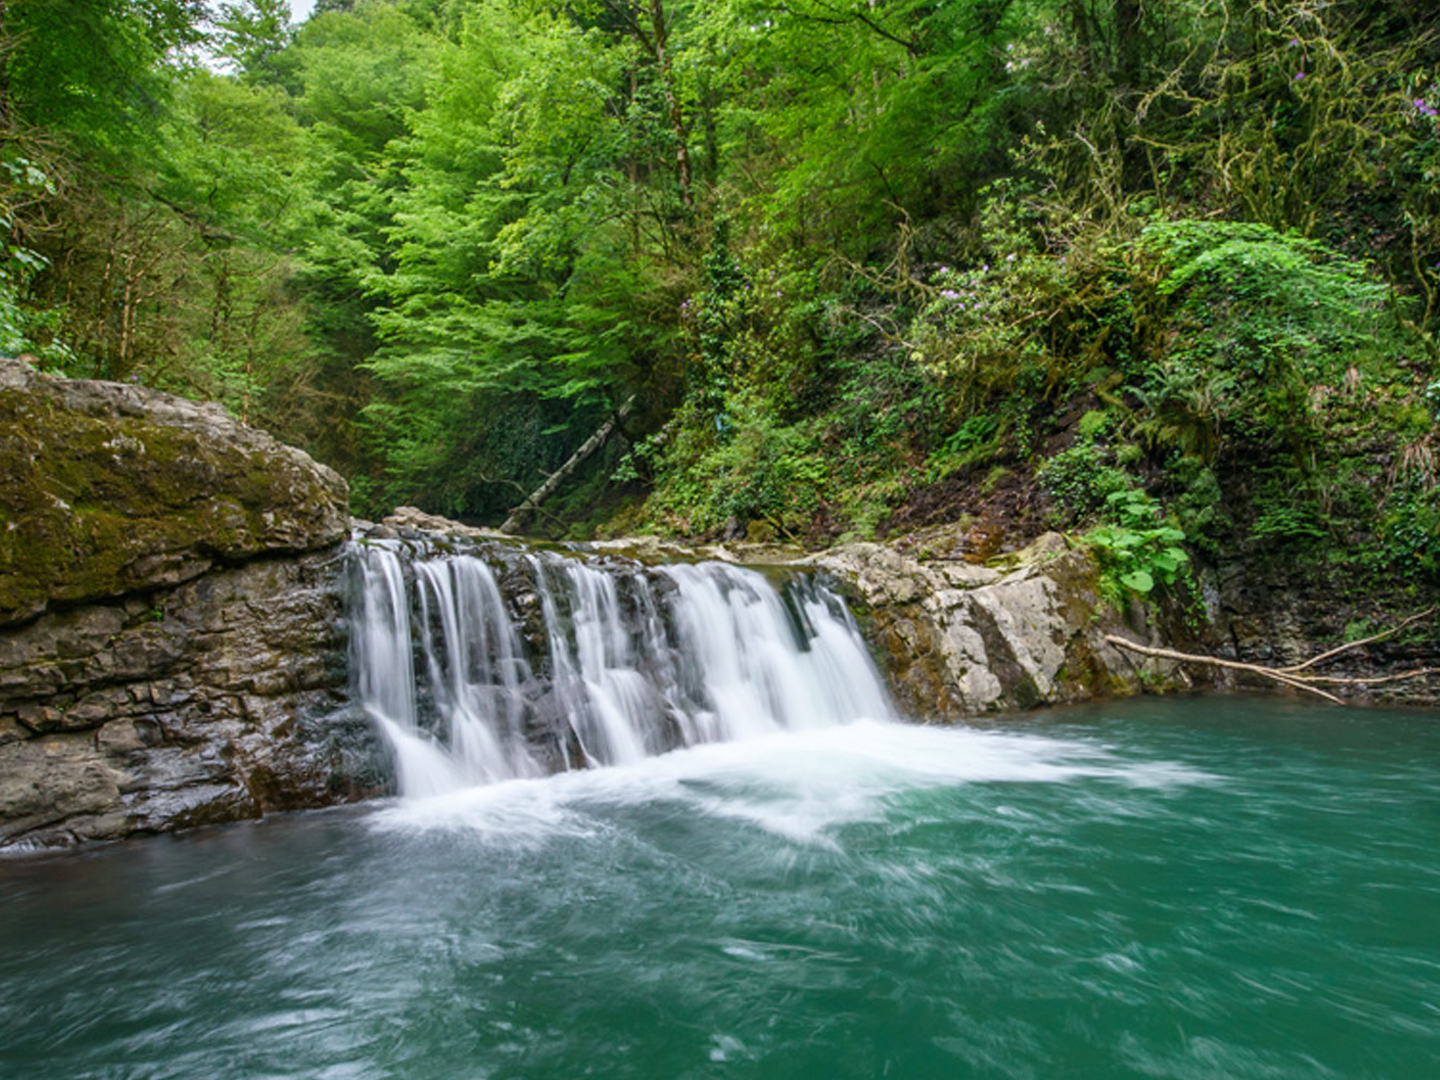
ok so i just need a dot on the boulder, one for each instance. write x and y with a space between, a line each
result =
170 642
109 489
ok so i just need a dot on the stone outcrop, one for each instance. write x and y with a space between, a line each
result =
108 489
962 640
217 700
170 648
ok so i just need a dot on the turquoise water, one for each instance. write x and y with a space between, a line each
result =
1225 888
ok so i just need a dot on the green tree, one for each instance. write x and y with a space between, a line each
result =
252 34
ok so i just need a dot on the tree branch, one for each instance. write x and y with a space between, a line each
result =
840 16
1363 641
1295 675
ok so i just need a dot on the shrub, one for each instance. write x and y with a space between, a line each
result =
1246 321
1081 481
1137 551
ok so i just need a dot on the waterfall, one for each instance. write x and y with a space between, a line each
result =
624 662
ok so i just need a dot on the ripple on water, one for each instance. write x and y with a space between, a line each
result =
1171 889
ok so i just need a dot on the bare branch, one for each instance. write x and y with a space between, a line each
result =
1290 676
1363 641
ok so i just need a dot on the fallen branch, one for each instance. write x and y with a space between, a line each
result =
1296 675
1363 641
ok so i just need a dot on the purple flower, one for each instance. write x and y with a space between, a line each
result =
1299 75
1420 103
950 294
1294 41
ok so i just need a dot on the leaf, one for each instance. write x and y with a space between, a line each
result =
1139 580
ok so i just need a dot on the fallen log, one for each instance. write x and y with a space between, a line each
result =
554 480
1296 676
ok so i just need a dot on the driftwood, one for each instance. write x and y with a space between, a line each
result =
554 480
1296 676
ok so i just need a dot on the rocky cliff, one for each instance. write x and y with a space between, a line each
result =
169 637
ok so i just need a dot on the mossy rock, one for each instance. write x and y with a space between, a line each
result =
107 489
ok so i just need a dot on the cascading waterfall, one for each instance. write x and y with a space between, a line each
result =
629 662
474 668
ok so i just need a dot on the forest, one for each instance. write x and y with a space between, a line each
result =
1165 274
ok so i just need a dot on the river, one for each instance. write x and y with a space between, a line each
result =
1226 887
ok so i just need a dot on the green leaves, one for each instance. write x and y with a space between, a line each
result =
1137 552
1139 580
251 35
1248 325
94 75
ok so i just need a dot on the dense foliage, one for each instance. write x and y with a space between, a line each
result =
1174 269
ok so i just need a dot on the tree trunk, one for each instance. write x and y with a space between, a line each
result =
1129 15
554 480
661 36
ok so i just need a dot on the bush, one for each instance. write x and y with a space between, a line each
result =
1246 320
1137 551
1410 529
1081 481
749 467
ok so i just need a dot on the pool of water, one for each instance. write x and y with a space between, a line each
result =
1220 888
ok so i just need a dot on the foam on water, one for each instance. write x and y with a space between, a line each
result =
799 785
698 688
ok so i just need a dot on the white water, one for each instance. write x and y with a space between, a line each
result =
797 785
636 665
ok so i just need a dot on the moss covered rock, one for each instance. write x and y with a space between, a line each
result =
108 489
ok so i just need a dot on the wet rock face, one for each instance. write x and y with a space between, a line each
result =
169 656
107 489
1278 615
962 640
220 699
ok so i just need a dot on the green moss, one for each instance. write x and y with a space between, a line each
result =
98 505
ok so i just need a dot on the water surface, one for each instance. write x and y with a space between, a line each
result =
1218 888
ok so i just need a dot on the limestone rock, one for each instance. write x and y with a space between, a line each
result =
412 519
960 640
108 489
